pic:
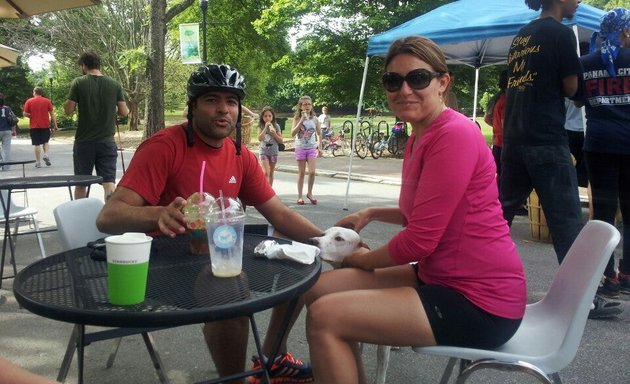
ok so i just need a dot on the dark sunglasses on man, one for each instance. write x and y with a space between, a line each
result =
416 79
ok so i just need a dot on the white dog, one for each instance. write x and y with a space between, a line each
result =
335 244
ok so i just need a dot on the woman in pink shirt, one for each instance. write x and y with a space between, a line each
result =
452 275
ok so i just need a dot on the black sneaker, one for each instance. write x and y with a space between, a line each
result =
603 309
47 161
285 369
609 287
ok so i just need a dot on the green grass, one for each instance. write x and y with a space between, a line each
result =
175 117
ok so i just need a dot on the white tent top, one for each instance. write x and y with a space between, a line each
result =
478 33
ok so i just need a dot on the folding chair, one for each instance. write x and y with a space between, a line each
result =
76 224
552 328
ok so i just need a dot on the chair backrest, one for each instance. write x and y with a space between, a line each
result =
76 222
564 309
15 210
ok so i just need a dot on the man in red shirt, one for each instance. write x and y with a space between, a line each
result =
40 110
165 170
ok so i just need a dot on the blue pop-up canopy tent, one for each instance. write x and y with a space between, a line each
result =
473 32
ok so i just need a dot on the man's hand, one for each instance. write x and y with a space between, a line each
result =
171 218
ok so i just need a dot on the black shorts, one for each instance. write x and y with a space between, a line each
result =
102 156
456 321
39 136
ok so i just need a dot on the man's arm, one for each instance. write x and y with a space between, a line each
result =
122 108
69 107
10 373
53 119
570 85
288 222
127 211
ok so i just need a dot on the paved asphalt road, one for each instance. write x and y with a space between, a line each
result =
38 343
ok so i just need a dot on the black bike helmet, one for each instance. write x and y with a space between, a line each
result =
215 77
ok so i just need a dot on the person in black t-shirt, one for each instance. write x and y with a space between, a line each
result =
543 68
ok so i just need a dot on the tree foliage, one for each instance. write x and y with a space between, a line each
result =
284 48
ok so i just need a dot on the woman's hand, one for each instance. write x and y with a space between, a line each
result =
356 259
355 221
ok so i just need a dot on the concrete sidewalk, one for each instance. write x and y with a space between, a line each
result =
38 344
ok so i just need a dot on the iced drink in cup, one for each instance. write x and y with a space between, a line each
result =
225 223
196 208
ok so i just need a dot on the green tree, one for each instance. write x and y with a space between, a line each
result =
16 86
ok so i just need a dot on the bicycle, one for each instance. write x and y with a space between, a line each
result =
377 137
337 145
361 146
394 143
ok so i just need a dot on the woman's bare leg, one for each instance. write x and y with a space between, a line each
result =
351 305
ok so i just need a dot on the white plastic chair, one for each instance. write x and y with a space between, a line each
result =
552 328
76 224
18 214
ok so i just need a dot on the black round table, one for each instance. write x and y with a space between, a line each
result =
72 287
18 162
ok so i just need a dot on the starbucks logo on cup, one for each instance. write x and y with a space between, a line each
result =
224 237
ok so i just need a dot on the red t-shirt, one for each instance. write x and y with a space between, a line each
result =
164 167
498 114
39 107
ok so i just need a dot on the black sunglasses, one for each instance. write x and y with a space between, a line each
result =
416 79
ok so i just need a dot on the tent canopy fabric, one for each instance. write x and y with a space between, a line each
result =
478 33
8 56
15 9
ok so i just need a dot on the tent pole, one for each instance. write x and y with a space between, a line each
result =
474 115
354 131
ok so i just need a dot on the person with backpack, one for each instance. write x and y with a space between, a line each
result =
8 129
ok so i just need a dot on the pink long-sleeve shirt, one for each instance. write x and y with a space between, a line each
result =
454 226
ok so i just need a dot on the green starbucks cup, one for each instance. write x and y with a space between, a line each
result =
127 267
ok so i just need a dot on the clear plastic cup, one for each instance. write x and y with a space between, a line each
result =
225 225
196 208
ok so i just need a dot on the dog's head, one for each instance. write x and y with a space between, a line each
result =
336 243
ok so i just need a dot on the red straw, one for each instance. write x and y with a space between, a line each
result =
203 169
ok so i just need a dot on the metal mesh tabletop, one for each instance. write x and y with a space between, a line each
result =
181 289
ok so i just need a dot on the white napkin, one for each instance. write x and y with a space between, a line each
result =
296 251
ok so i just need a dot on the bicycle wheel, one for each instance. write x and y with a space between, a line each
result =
360 147
392 144
376 144
336 149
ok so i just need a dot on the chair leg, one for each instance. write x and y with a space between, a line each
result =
448 371
39 236
518 366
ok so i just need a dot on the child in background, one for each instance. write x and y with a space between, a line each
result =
269 136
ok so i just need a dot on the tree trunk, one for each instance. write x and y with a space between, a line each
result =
134 115
155 65
155 110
